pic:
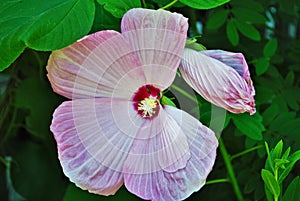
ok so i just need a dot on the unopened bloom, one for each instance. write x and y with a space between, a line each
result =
220 77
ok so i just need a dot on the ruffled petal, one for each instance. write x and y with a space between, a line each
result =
217 82
159 144
96 66
92 147
158 37
178 185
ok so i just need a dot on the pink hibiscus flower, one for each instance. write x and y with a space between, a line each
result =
115 131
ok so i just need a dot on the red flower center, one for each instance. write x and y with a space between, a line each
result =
146 101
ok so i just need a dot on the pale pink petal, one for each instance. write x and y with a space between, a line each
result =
216 82
96 66
235 60
178 185
91 146
158 37
159 144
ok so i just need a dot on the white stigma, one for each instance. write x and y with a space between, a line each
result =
147 106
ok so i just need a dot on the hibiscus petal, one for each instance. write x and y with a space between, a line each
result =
235 60
159 144
178 185
158 37
217 82
91 146
94 65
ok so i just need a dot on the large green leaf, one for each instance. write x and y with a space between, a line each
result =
41 25
251 126
118 7
204 4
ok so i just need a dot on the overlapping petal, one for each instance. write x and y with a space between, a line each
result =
178 185
93 66
160 144
217 82
158 38
91 146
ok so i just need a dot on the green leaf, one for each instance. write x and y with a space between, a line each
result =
261 65
45 26
248 15
270 113
270 182
289 79
270 48
292 192
251 126
248 30
293 159
249 4
119 7
191 43
232 33
104 20
286 153
280 163
277 151
37 96
217 19
167 101
38 175
204 4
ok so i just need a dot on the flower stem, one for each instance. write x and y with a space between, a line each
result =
246 151
232 177
169 5
215 181
183 92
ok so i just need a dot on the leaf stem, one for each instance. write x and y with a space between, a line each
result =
183 92
169 5
215 181
232 177
144 4
246 151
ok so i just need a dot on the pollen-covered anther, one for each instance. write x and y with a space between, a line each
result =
147 106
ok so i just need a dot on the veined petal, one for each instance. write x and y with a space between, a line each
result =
94 67
178 185
158 37
91 146
217 82
235 60
159 144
